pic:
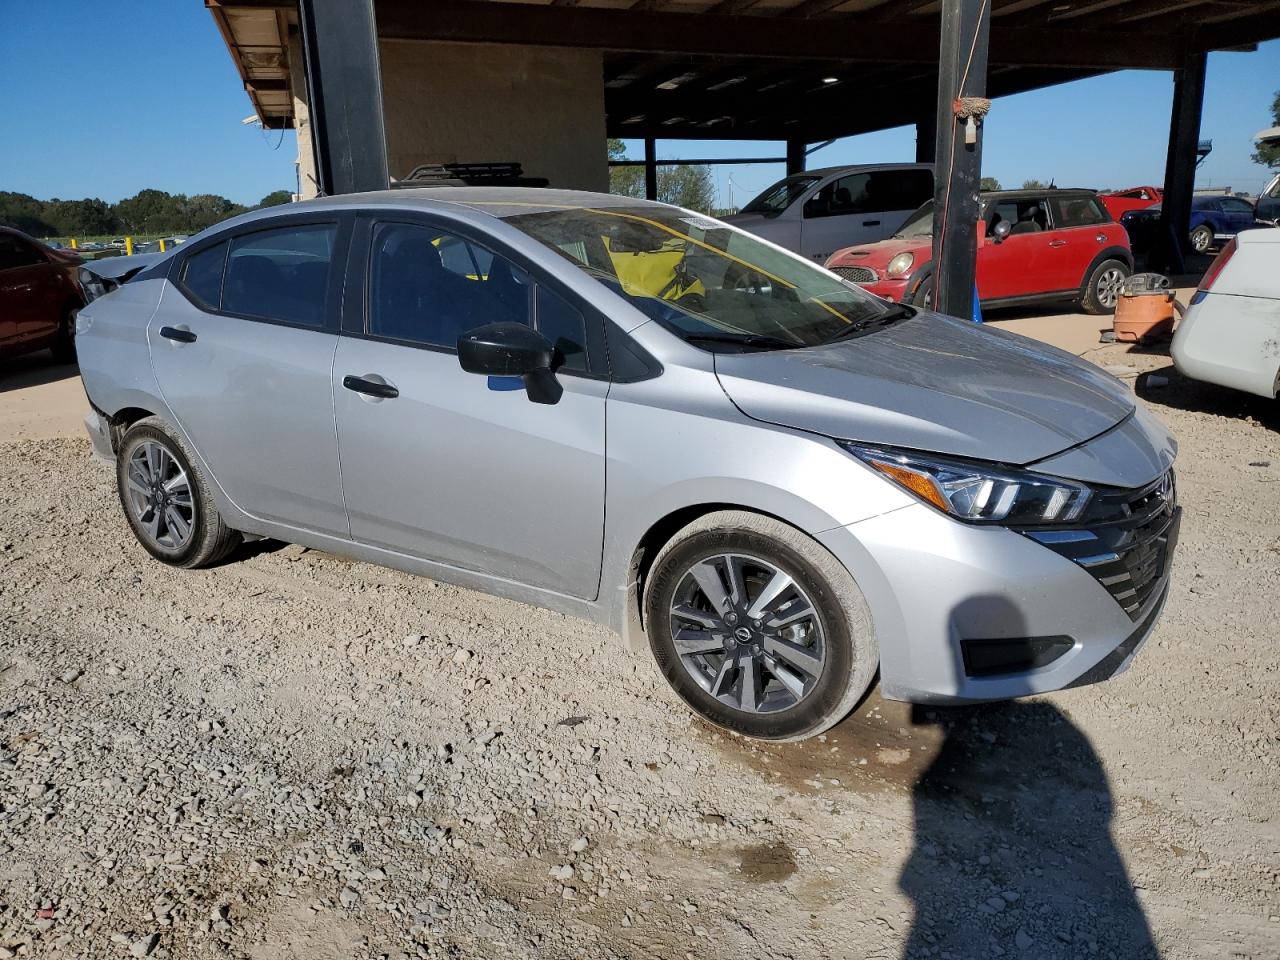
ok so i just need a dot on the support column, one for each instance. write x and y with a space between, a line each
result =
650 168
927 138
962 72
1180 167
344 85
795 156
308 179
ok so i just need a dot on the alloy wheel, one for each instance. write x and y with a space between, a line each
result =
1110 285
747 633
159 495
1200 240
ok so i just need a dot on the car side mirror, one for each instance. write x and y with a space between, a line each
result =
1001 230
512 350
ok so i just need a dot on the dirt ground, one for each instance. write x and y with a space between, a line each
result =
297 756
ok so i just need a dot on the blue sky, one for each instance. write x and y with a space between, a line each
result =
105 99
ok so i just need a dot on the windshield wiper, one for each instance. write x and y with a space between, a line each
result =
895 312
745 339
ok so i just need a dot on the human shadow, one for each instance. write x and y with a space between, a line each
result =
1013 850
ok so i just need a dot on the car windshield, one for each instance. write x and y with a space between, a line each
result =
780 196
919 224
704 280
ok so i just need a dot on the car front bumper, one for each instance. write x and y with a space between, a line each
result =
893 290
939 589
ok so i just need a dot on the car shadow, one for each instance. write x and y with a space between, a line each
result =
1169 388
33 370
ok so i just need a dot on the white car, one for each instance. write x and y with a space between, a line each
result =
818 212
1230 334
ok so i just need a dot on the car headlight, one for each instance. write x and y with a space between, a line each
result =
900 264
92 285
978 492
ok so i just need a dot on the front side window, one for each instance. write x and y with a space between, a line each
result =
704 280
280 274
429 287
1077 212
1273 193
1236 205
202 275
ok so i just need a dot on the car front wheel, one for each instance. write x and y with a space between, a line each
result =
166 499
758 628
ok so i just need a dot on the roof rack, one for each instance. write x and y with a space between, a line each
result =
468 175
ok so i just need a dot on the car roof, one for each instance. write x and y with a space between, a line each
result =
857 168
1043 192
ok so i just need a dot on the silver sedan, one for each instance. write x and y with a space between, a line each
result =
779 484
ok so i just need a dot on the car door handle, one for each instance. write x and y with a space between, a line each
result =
871 223
1057 243
178 334
372 388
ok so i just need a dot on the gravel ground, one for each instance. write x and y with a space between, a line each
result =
297 756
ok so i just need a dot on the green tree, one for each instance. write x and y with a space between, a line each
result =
681 184
204 210
149 211
1269 154
275 198
1034 185
25 213
989 183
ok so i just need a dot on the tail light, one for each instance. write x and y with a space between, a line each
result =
1215 269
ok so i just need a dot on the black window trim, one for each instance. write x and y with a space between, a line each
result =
337 275
355 315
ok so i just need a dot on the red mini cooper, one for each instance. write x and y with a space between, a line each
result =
1033 246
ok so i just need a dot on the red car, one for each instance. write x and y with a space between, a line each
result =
1034 245
39 297
1135 198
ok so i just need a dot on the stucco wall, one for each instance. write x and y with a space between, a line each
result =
468 102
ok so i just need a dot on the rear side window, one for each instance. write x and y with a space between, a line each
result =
877 191
1078 212
202 275
280 274
14 253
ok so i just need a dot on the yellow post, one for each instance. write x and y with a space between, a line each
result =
162 246
128 246
73 243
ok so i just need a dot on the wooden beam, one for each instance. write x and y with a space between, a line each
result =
847 40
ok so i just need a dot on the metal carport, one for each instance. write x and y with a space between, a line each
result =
798 71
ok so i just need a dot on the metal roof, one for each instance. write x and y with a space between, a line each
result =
775 69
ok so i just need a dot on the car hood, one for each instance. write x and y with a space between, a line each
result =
879 254
932 383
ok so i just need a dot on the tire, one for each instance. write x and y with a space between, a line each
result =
1201 238
922 295
63 347
714 668
1103 285
187 530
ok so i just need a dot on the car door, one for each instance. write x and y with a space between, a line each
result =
1269 202
449 466
24 282
242 346
862 207
1077 235
1239 214
1013 267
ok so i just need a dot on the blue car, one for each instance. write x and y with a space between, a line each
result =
1214 221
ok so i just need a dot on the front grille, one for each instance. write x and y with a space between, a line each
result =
1124 541
855 274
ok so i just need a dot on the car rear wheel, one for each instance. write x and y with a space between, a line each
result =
166 499
1103 287
1202 238
758 628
